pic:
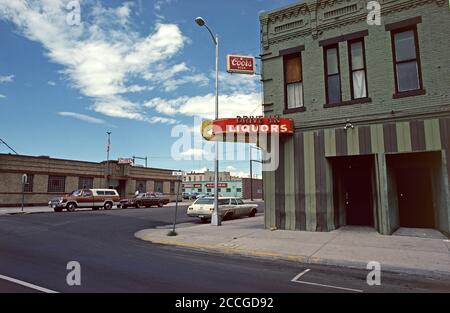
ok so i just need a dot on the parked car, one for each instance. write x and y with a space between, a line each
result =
142 200
86 198
165 200
186 195
229 208
193 196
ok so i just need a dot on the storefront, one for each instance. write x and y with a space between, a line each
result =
371 113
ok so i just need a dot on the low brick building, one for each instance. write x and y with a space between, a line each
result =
49 178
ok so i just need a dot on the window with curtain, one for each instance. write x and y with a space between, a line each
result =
406 57
332 74
358 75
293 81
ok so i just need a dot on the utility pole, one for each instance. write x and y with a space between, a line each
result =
108 148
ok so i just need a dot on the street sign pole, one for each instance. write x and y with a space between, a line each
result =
179 176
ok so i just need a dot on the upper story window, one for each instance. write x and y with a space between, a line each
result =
358 69
332 74
293 81
406 60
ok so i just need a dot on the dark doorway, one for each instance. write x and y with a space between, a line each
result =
413 174
353 189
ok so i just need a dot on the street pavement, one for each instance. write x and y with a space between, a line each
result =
36 249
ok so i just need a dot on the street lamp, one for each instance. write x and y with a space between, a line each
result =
215 219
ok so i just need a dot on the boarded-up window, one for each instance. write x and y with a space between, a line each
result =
293 81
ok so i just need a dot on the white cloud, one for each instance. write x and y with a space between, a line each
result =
194 153
203 106
51 83
82 117
104 57
6 79
2 96
103 54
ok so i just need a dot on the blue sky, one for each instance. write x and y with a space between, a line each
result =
136 68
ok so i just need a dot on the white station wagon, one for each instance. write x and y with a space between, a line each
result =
228 208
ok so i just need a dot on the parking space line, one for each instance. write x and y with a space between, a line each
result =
28 285
296 280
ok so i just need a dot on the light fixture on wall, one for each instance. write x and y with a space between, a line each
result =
348 125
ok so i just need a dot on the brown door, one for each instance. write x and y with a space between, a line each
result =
358 199
357 191
415 198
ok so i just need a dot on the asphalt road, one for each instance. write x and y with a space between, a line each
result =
36 248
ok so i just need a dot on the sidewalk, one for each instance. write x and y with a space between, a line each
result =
348 246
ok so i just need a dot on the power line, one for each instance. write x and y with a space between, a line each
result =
2 141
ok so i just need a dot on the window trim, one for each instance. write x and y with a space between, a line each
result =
325 63
420 90
351 71
302 108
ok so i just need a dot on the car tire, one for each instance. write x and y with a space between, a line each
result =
58 210
203 220
137 205
160 204
71 207
228 216
108 206
253 213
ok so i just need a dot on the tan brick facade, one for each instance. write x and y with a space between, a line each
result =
123 177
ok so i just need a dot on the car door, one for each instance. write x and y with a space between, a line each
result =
86 199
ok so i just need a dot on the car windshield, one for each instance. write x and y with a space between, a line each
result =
139 196
205 201
76 193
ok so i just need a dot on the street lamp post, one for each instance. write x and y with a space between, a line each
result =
215 219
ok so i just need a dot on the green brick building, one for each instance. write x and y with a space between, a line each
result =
371 106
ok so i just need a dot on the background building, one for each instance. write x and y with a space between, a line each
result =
237 188
371 106
49 178
206 176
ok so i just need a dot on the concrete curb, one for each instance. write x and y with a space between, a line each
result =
302 259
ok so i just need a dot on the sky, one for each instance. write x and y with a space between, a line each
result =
140 69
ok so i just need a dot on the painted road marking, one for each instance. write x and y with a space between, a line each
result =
296 280
25 284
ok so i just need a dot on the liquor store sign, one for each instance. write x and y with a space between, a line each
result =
243 125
